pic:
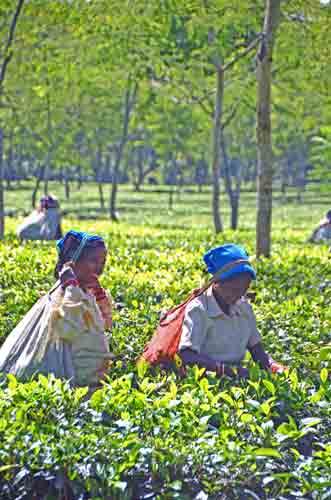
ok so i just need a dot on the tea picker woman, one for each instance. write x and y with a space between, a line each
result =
215 326
44 223
64 332
323 230
219 325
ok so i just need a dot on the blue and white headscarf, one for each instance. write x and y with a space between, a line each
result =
70 247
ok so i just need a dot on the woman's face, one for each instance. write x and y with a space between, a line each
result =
92 265
234 288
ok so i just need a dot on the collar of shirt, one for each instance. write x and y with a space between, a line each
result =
214 310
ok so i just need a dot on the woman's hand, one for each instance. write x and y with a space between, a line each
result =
67 276
260 356
243 372
91 281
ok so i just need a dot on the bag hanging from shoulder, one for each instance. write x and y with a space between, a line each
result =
165 342
27 349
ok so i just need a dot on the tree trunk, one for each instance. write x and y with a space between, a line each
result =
141 178
299 194
233 194
216 151
284 179
67 186
108 166
2 201
36 188
180 183
34 193
46 186
263 129
7 54
101 196
9 162
171 199
236 200
113 199
79 179
130 97
301 176
234 212
140 170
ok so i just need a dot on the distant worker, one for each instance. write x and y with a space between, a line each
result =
323 230
43 223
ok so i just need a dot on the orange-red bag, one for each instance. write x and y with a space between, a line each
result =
165 341
164 344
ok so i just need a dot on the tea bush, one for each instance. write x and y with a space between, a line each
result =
152 435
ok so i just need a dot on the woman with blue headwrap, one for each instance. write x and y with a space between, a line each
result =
219 325
64 333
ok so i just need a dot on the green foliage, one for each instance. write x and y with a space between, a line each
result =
321 155
149 433
71 62
176 439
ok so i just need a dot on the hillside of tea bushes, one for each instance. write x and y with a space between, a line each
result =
152 435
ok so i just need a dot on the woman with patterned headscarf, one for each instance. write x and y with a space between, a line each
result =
64 333
44 223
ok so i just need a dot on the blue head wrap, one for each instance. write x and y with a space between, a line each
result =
70 247
226 261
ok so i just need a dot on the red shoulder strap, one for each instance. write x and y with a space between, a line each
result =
195 293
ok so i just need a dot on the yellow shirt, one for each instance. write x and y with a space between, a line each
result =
78 320
224 338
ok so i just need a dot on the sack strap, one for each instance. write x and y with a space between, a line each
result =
199 291
229 266
196 293
54 287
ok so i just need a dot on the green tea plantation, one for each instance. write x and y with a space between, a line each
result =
152 435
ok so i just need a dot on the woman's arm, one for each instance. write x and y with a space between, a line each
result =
260 356
311 239
191 357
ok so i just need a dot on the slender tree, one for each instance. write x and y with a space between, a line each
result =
129 102
7 54
263 128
